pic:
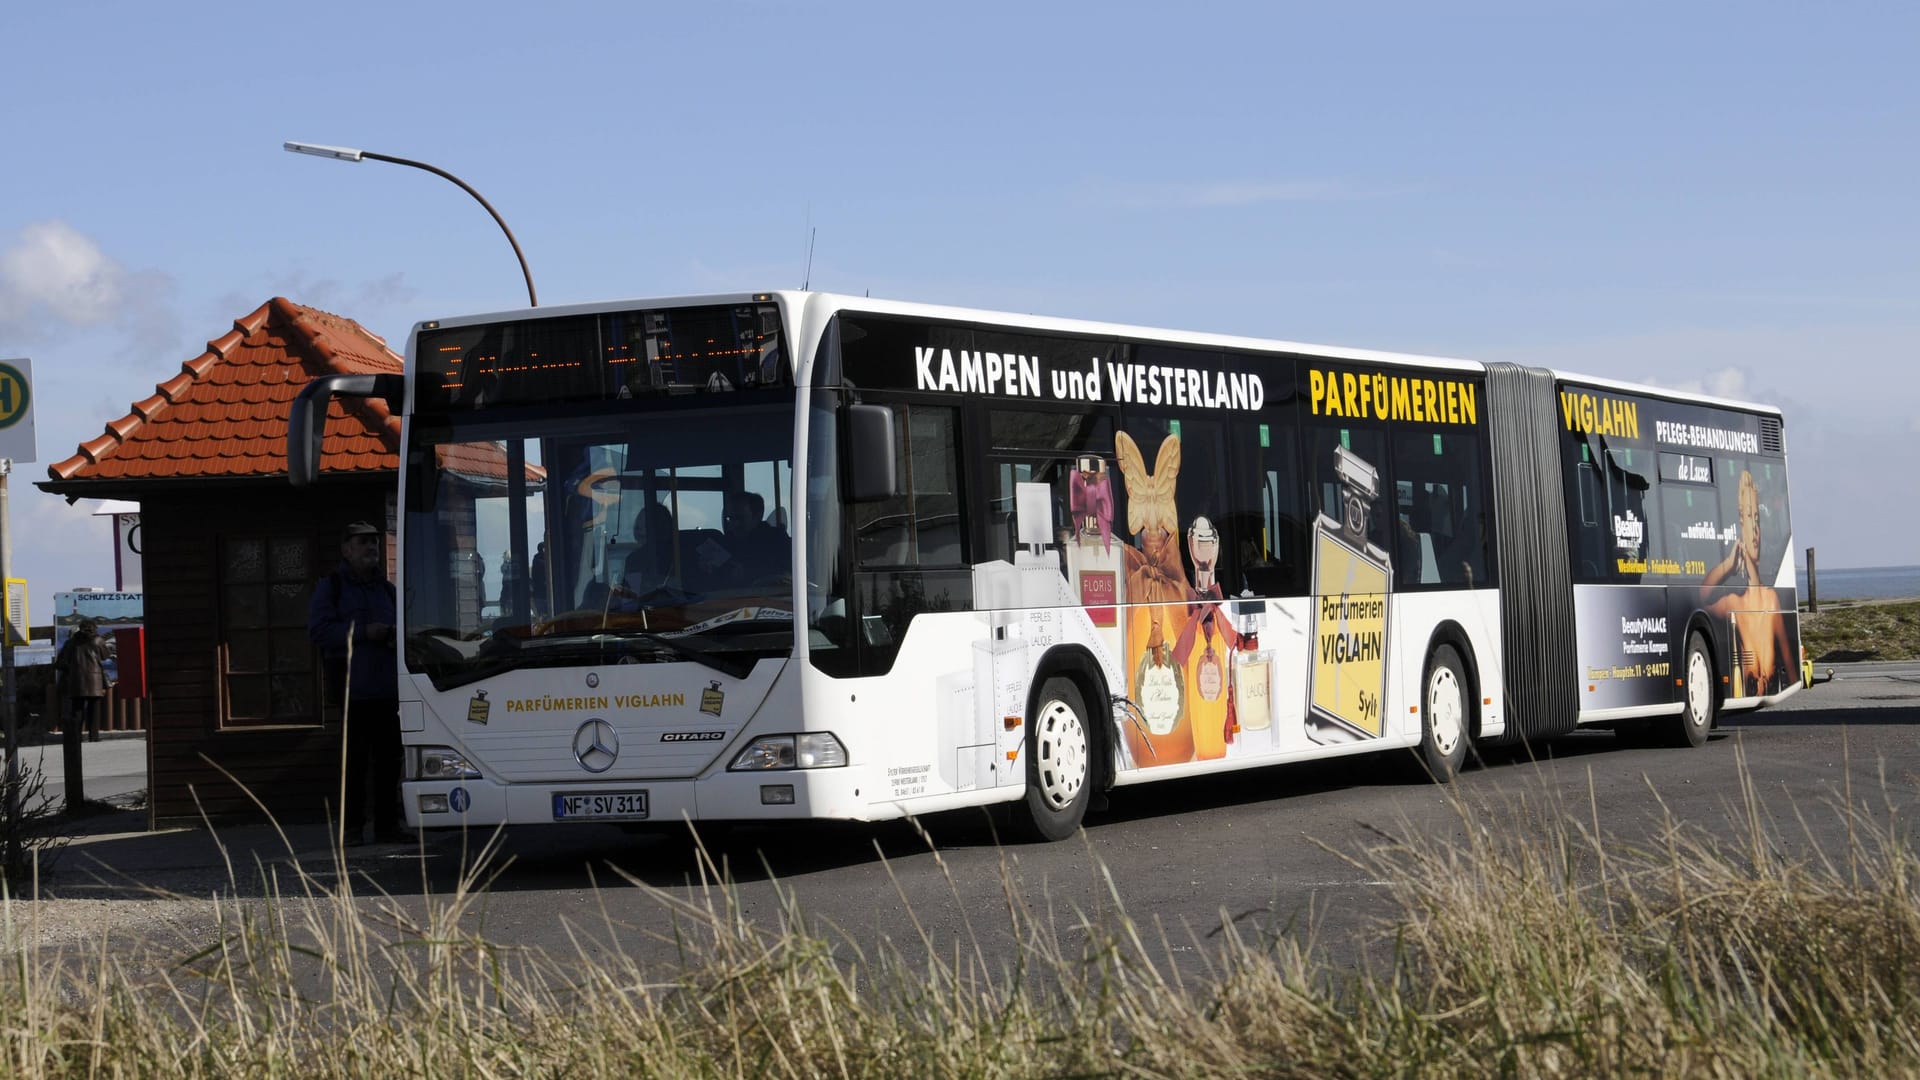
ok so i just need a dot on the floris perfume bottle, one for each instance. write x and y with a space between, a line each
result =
1351 581
1205 642
1095 563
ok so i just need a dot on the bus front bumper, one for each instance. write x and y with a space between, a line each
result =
772 795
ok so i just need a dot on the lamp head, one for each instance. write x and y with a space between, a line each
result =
342 153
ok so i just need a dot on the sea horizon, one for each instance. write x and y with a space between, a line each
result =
1863 582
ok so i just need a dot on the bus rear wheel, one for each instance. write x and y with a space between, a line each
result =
1059 762
1698 700
1444 715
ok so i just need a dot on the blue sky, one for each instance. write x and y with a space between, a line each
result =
1714 196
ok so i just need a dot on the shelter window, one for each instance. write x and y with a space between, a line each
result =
267 668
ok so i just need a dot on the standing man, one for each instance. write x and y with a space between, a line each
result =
81 669
354 607
83 664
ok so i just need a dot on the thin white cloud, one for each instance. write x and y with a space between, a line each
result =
53 277
355 301
1862 366
1225 194
1893 300
53 268
1727 382
1842 387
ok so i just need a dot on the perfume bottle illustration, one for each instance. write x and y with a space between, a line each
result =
1352 579
1205 644
1158 595
1094 562
1252 671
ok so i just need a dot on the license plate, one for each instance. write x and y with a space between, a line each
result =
604 805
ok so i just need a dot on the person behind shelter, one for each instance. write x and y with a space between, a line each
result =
354 606
542 587
753 549
82 667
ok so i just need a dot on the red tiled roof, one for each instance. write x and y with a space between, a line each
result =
225 413
484 464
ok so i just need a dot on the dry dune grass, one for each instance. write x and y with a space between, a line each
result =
1568 954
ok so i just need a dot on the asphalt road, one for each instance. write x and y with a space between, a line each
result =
115 768
1279 849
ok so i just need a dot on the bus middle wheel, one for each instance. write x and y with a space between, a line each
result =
1445 715
1059 761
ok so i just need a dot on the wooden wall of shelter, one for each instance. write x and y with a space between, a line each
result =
204 760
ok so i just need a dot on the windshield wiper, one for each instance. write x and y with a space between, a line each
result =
450 680
719 660
505 653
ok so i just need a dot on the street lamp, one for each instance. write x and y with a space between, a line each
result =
343 153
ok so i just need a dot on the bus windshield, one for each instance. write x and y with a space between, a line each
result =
637 536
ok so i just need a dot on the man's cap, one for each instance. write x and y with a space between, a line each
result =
359 528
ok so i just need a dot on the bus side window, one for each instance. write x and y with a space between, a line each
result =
1323 439
1043 447
909 551
1439 509
1272 540
1587 517
1630 515
1202 486
921 525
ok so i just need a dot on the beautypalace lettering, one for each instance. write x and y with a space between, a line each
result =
546 703
1380 396
967 371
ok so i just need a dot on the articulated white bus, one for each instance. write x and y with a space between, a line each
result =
794 555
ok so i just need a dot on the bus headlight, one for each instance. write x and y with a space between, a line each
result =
439 763
807 750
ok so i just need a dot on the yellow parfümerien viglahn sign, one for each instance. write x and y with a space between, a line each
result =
1376 395
1599 414
1349 635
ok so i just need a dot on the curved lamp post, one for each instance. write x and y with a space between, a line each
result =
343 153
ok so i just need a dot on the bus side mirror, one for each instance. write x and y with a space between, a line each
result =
871 451
307 423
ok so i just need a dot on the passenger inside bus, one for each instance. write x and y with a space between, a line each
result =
751 549
649 567
1463 558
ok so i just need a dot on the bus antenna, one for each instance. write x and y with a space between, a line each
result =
806 276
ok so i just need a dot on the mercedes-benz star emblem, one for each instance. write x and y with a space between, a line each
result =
595 746
593 680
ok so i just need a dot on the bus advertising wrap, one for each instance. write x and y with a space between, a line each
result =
795 555
1678 516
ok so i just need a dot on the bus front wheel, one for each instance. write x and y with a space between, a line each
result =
1696 709
1444 715
1059 761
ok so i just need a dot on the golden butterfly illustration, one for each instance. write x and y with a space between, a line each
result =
1154 572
